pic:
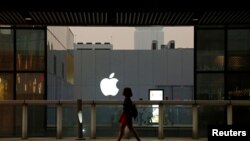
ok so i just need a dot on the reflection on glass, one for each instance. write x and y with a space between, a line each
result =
173 115
30 49
236 62
210 50
6 86
107 119
239 49
239 86
6 49
31 86
210 86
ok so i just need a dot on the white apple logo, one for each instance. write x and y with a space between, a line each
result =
108 85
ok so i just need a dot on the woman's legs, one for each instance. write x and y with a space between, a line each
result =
121 131
131 128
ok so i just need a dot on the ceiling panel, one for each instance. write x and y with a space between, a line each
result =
125 17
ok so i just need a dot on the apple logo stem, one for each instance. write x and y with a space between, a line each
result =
108 85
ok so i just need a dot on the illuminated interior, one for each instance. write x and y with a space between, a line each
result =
30 83
155 95
3 87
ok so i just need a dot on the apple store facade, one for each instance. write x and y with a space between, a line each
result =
37 63
170 70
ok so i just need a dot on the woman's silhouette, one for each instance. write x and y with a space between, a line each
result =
126 117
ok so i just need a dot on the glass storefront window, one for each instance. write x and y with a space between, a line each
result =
30 46
239 50
210 50
6 49
27 51
210 86
30 86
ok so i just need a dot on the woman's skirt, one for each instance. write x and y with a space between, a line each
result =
123 119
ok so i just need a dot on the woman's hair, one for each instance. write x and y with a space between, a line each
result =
127 92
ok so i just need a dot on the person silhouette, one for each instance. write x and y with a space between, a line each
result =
126 117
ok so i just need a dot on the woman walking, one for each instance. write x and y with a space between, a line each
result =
126 117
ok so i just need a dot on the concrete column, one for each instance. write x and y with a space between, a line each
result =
59 121
160 128
229 114
24 121
195 122
93 121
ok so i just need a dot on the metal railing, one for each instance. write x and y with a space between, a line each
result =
194 103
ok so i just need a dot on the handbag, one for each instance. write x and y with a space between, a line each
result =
134 111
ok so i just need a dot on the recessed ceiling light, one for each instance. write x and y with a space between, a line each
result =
28 19
195 19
